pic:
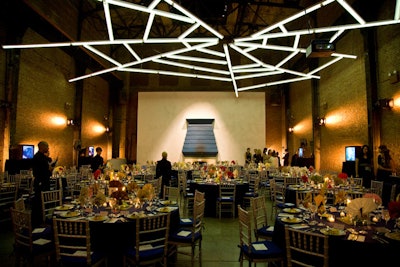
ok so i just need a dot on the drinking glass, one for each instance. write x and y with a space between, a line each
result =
385 216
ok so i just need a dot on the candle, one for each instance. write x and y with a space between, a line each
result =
375 219
342 214
331 218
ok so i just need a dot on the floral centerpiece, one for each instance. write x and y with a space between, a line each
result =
146 193
316 178
58 170
132 187
97 174
120 195
99 199
341 178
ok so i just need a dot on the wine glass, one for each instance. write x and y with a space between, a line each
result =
385 216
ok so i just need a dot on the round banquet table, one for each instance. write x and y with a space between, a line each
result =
211 191
114 237
345 252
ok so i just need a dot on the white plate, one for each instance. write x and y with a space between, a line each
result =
333 231
98 218
393 235
291 220
65 207
70 214
168 202
166 209
291 210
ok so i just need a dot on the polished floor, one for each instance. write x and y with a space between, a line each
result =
219 246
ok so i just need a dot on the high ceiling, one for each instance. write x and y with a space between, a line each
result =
251 44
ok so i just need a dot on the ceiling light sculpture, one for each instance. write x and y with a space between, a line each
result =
204 57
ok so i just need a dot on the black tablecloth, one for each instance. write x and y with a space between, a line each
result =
211 194
344 252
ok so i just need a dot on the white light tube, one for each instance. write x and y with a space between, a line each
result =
256 75
352 12
211 52
190 15
198 59
289 81
148 26
101 54
286 59
177 40
397 10
228 59
134 54
336 35
238 67
189 31
325 65
154 4
108 21
253 70
147 10
343 55
93 74
188 66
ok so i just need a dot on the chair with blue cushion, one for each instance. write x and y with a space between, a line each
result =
73 247
189 237
258 251
226 199
150 245
262 230
29 244
188 221
254 184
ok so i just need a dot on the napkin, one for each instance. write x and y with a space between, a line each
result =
38 230
299 226
259 247
186 220
41 241
184 233
271 228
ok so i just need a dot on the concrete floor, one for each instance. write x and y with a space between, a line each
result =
219 246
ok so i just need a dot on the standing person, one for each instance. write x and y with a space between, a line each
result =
247 156
97 161
286 158
42 174
164 169
364 166
385 164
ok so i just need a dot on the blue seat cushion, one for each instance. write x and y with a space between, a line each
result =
225 199
264 232
145 254
272 251
183 239
81 261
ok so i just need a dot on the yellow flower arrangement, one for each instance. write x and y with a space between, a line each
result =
132 187
147 192
58 170
99 199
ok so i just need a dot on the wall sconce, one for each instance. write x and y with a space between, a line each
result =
321 121
291 129
385 103
72 122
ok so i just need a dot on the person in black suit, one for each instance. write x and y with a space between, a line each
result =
164 170
42 174
97 161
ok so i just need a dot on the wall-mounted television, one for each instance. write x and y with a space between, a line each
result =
27 151
301 152
351 152
91 151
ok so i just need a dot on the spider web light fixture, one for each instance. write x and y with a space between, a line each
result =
206 56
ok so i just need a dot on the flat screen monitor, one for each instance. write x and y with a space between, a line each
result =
27 151
301 152
91 151
350 153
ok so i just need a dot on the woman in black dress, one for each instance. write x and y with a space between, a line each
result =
364 166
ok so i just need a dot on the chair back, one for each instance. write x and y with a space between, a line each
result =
19 204
377 187
260 215
152 234
244 228
199 196
306 248
290 180
303 196
22 228
226 199
198 215
50 200
72 240
171 193
357 181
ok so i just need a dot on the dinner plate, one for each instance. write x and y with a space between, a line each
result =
168 202
291 220
136 215
125 207
98 218
291 210
70 214
393 235
166 209
65 207
332 231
